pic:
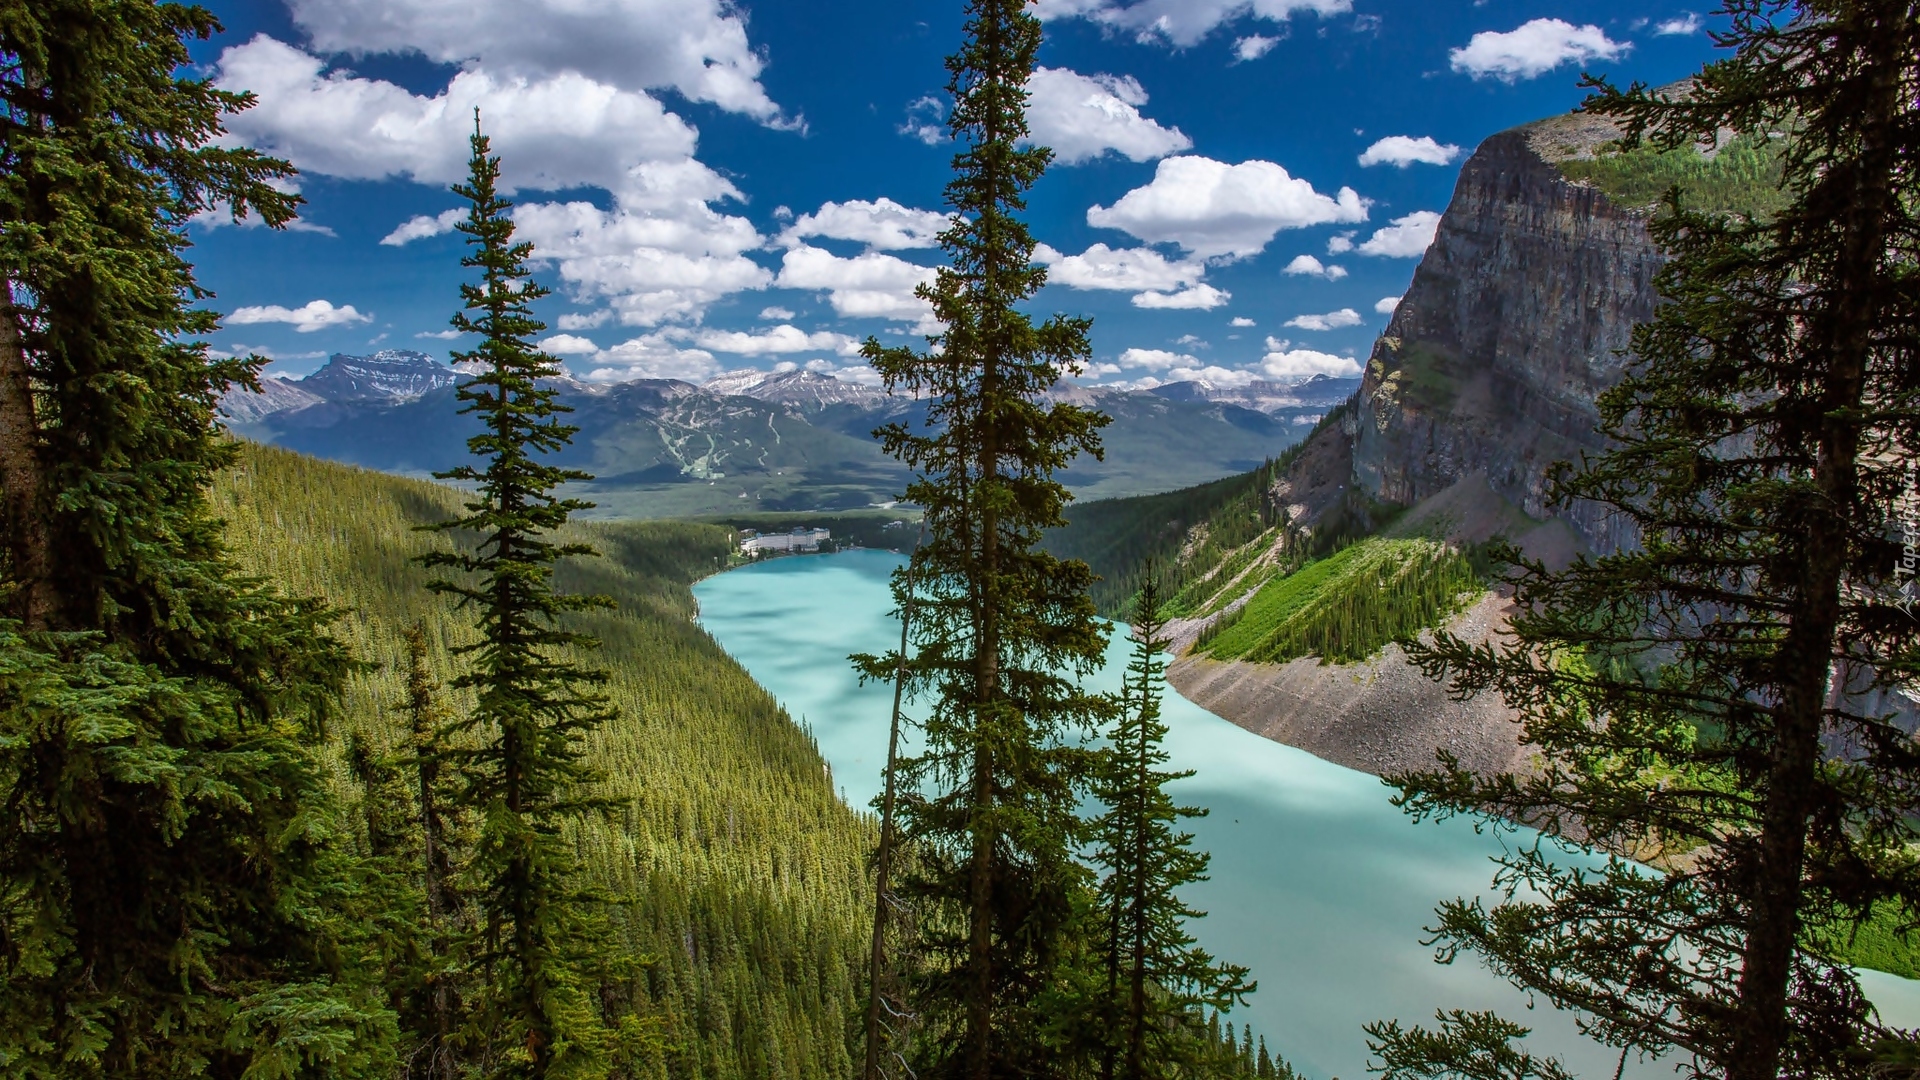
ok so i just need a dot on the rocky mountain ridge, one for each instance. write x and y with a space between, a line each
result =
386 375
809 391
749 440
1485 377
1491 366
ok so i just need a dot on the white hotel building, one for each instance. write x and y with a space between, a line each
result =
786 542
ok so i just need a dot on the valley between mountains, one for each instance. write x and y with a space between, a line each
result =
1516 320
1068 639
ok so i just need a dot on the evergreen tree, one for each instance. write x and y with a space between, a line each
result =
534 706
880 967
1001 627
435 1013
170 903
1158 982
425 718
1707 700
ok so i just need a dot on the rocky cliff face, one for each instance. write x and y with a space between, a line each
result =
1486 376
1510 330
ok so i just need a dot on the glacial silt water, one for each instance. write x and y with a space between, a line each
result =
1318 883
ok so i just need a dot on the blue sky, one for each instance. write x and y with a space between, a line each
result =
1242 186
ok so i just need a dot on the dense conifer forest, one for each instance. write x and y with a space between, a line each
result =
738 874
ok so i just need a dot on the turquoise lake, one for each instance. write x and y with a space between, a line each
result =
1318 883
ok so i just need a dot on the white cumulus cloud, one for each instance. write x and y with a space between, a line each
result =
1403 150
1533 49
926 120
784 338
697 47
1684 24
1216 210
883 225
779 313
661 253
868 285
1308 266
1083 116
1181 23
1119 269
421 226
1241 321
568 345
1332 320
1253 47
305 319
564 130
237 350
1155 359
1405 238
1386 304
651 356
585 320
1294 365
1194 298
858 374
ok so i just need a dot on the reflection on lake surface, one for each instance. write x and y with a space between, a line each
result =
1318 883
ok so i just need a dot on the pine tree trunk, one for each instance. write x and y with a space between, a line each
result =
433 831
883 858
436 867
1137 991
987 692
1807 655
22 481
980 925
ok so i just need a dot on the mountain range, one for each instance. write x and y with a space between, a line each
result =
755 440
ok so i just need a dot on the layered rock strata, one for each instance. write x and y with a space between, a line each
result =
1515 322
1486 376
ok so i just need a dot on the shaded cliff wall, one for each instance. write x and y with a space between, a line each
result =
1511 328
1485 377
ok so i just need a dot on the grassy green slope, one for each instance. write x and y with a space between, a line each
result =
743 871
1743 177
1340 594
1349 605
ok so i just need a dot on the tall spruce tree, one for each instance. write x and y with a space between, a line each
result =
1159 983
1001 627
170 903
534 706
426 718
1710 699
437 984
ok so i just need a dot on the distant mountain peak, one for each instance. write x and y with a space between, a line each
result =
242 406
807 391
1319 391
387 375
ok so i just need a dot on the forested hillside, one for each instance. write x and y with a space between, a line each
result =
739 874
1117 537
1269 592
